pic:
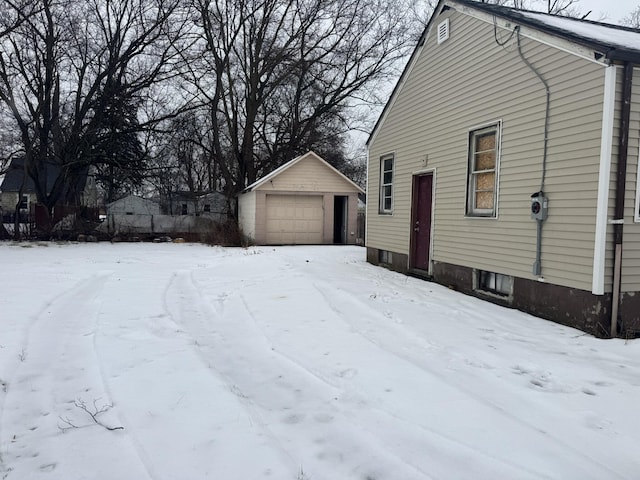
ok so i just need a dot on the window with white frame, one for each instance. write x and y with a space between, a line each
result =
483 171
386 184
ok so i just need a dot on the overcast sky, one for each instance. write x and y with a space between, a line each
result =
614 10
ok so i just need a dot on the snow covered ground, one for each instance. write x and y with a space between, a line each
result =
292 363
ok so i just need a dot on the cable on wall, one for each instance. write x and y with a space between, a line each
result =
547 107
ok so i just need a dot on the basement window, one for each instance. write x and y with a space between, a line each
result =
494 283
384 257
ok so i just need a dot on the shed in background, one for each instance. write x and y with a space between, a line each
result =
305 201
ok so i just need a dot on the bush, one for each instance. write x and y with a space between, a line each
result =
226 234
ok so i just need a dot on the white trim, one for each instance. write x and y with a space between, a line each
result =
606 148
497 124
291 163
383 158
366 205
636 212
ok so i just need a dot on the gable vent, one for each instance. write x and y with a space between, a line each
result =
443 31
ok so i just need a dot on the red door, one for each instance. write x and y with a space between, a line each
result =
421 221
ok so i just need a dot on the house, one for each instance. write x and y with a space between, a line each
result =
133 205
505 164
131 215
214 205
82 193
305 201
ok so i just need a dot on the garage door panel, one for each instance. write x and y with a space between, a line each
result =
294 219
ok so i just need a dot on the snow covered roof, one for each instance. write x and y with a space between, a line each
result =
614 41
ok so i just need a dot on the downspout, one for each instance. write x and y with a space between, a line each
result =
621 176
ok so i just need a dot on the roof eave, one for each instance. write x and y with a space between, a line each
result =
610 51
623 55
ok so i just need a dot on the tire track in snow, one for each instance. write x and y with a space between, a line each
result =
195 317
28 367
341 302
269 392
364 419
59 367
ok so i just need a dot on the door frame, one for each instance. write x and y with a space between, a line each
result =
343 216
413 214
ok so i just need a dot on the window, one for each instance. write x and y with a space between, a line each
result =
24 203
483 171
495 283
184 209
386 184
207 208
384 257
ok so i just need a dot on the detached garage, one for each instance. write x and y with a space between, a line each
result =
305 201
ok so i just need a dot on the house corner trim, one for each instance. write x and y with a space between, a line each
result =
606 148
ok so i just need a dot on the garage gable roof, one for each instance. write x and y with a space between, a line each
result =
291 163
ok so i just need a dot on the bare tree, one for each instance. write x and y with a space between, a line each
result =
565 8
66 70
276 74
633 19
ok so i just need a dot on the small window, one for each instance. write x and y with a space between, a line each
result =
384 257
184 209
443 31
24 203
483 171
495 283
129 213
386 184
207 208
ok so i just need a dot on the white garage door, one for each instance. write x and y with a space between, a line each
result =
294 219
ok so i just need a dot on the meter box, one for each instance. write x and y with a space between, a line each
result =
539 206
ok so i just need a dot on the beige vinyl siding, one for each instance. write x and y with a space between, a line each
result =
468 82
308 175
631 238
247 214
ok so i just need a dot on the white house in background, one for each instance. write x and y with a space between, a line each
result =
131 215
133 205
213 205
305 201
